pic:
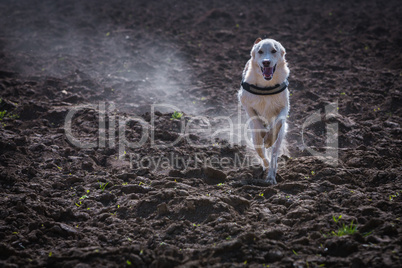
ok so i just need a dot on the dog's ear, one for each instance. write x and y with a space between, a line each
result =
282 49
257 40
253 49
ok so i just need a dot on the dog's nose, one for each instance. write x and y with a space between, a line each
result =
266 63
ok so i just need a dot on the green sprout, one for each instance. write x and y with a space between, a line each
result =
176 115
367 234
336 219
3 114
391 197
345 230
102 186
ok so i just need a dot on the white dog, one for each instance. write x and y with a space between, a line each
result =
265 97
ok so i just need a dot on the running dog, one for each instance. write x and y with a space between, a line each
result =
265 97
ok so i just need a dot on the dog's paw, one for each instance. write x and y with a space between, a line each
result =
271 177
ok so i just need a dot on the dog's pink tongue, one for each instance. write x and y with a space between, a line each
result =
268 72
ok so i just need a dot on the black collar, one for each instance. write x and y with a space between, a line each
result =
265 90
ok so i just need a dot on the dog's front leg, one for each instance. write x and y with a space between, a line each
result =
280 123
258 133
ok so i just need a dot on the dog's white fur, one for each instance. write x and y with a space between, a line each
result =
267 113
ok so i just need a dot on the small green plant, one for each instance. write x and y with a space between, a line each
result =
367 234
176 115
3 114
345 230
336 219
83 197
102 186
391 197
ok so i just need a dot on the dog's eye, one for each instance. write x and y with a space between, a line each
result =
273 51
260 51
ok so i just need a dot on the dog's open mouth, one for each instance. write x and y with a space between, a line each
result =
268 72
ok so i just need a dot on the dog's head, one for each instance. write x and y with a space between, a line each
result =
267 54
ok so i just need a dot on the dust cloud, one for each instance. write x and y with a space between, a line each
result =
140 66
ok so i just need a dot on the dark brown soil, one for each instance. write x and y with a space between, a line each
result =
204 203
